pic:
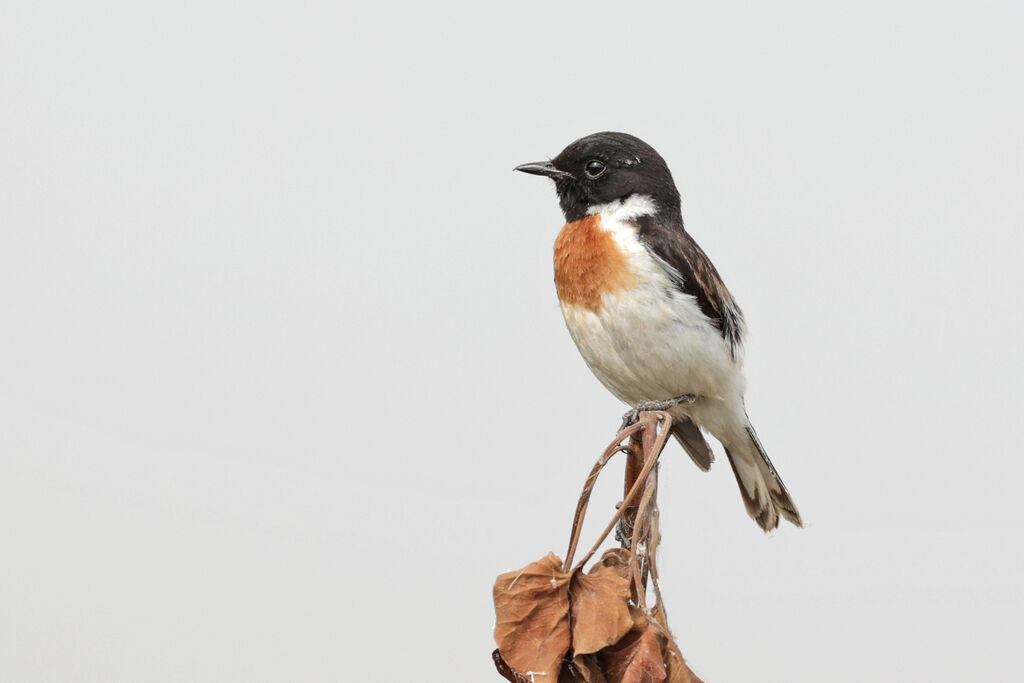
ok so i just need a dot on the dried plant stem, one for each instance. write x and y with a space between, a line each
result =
640 545
648 424
635 457
588 488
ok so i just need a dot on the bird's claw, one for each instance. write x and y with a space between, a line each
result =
633 416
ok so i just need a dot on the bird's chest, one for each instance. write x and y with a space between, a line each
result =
641 336
592 264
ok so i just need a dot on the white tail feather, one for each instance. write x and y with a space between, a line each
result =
764 494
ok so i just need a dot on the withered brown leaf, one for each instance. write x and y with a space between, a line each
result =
532 626
618 558
677 669
600 609
585 669
637 657
505 670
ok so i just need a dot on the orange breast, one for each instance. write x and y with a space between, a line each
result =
588 264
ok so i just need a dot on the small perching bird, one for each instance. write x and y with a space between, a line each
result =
649 312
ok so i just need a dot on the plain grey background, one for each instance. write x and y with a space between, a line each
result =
284 384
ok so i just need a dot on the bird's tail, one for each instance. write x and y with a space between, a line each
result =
764 494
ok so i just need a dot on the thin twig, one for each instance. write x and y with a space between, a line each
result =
588 488
640 537
649 422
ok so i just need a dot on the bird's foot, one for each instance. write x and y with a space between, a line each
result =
633 415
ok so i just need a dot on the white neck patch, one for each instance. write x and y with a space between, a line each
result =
635 206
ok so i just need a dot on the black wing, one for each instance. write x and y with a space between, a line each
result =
688 435
693 273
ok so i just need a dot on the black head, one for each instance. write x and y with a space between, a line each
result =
605 167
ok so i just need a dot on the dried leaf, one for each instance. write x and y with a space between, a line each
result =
586 669
637 657
600 609
532 628
505 670
676 668
618 558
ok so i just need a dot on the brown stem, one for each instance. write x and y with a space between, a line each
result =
652 557
649 422
588 488
635 458
641 539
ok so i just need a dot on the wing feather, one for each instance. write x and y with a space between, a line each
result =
693 273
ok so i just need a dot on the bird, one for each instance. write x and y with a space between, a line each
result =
649 312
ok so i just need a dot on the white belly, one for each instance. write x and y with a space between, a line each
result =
644 345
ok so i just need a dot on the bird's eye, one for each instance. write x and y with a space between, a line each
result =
594 169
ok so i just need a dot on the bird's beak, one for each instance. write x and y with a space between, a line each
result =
543 168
